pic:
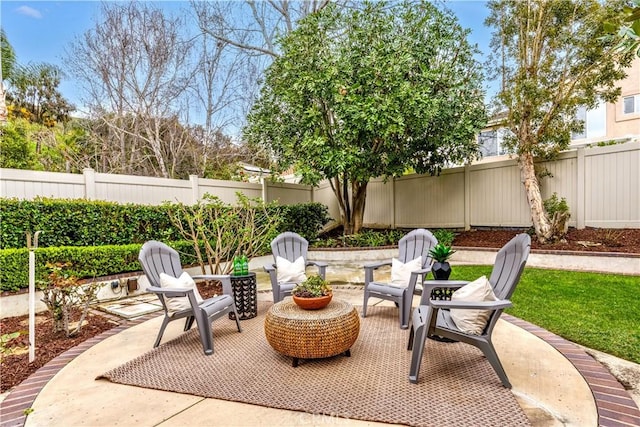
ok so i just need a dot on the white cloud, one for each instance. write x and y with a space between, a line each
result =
29 11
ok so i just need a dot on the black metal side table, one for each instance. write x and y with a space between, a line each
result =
245 295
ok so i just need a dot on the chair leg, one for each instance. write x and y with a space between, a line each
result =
491 355
235 312
420 324
204 328
188 323
364 304
418 343
411 337
404 307
165 322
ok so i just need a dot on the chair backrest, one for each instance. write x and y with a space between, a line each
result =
417 243
155 258
509 264
290 246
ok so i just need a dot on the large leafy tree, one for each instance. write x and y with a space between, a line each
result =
363 93
553 59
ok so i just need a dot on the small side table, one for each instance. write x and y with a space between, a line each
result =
245 295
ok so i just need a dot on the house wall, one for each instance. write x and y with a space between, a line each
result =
621 125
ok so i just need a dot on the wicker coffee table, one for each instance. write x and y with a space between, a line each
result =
312 334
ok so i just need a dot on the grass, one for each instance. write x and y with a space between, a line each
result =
599 311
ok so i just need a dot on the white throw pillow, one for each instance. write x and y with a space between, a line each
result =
401 272
290 272
184 281
472 321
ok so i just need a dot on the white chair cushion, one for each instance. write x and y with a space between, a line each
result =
401 272
290 272
184 281
472 321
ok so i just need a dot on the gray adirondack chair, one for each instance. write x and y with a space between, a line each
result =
290 246
415 244
432 317
155 258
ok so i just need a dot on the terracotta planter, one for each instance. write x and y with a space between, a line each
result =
315 303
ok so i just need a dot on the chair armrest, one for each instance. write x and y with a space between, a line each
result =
322 267
317 263
219 277
483 305
170 292
269 267
430 285
376 265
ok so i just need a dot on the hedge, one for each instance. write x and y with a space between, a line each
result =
103 238
77 222
87 262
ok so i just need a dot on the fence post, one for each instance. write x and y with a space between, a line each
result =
195 188
264 192
89 183
467 197
580 189
393 202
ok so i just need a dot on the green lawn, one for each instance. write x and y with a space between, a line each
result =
599 311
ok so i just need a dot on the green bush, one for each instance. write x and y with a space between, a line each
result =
78 222
66 222
88 262
103 238
444 236
306 219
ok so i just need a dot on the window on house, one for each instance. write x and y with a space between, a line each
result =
492 142
595 122
631 104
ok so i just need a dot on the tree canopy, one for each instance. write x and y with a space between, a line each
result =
370 92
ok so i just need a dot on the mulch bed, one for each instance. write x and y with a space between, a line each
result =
15 368
625 240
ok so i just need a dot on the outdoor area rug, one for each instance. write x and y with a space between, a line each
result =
457 385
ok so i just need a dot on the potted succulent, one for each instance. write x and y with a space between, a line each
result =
312 294
441 253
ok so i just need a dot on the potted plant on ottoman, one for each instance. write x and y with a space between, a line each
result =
441 253
312 294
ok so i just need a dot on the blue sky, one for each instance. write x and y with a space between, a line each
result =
40 31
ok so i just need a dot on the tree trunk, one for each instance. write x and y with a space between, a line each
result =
540 220
351 206
359 197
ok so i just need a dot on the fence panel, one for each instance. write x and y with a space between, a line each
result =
26 184
612 186
601 186
430 201
288 194
496 196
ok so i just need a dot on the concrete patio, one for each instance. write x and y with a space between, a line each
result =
554 381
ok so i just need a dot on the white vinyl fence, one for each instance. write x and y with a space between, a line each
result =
601 186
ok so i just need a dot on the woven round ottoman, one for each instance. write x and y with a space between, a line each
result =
312 334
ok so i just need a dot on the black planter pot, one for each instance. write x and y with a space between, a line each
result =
441 270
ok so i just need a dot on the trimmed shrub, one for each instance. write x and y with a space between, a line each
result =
101 238
87 262
78 222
